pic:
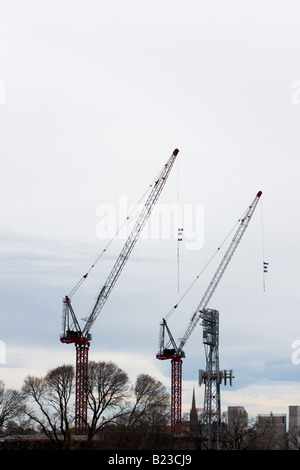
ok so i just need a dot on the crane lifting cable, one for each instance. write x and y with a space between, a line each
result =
169 314
180 230
242 226
265 264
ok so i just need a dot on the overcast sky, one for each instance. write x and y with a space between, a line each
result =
94 98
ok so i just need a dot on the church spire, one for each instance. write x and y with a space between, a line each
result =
193 412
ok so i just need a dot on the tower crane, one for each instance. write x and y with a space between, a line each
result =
168 348
81 336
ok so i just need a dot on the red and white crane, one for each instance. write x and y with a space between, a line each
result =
81 337
168 348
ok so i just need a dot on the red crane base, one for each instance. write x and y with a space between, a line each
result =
82 352
176 387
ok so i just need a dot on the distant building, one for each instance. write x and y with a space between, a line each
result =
277 421
237 415
273 427
294 417
294 427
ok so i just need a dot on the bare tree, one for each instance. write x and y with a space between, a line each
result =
238 431
294 439
51 398
12 407
148 414
248 434
107 393
140 411
267 435
150 402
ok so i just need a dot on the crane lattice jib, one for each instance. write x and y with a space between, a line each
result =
220 271
123 256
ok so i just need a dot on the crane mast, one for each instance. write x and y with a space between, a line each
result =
73 333
176 353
